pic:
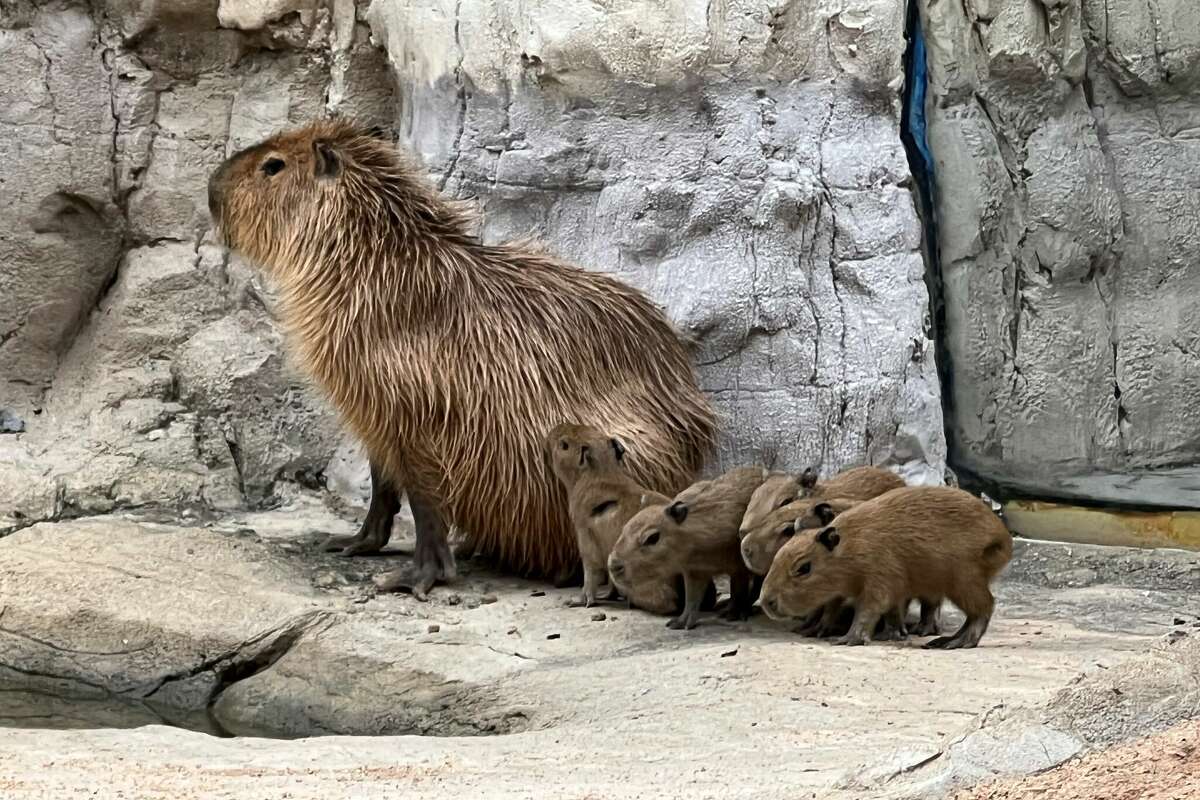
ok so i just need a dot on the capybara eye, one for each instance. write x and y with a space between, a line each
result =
651 540
789 531
563 445
803 569
273 166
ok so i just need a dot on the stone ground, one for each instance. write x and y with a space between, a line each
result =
1165 766
164 630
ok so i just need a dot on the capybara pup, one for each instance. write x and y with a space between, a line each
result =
779 489
602 497
694 536
449 358
918 541
760 545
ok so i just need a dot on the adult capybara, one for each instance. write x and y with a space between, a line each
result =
449 358
919 541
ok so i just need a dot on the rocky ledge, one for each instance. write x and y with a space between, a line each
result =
188 657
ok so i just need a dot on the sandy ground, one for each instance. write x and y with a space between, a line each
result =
1165 766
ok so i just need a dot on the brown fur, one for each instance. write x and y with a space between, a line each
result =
602 497
451 359
694 536
779 489
760 544
918 541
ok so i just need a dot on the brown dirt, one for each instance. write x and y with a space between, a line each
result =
1165 766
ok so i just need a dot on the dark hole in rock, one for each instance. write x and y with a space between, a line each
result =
65 212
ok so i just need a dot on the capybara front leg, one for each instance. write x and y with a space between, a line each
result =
860 632
931 613
892 627
376 529
693 590
591 586
433 559
741 596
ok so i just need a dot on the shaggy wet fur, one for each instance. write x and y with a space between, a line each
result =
450 359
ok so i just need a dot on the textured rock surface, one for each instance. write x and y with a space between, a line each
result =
235 624
1064 135
742 164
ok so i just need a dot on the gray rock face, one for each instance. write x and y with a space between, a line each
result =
1063 135
740 165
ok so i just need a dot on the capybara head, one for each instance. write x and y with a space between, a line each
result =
573 449
648 546
301 197
760 544
776 491
806 574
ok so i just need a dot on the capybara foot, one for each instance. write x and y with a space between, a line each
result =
356 545
684 622
851 639
927 627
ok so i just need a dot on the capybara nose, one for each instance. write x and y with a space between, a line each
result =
216 183
616 569
742 533
771 606
747 552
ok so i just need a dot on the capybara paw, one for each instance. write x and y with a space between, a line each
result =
416 581
850 640
675 623
346 546
927 629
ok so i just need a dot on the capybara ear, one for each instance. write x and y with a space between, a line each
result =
678 511
824 512
829 538
789 530
808 478
618 449
327 162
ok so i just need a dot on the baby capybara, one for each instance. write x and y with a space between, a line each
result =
918 541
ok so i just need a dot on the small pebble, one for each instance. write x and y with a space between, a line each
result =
729 653
599 616
613 618
434 628
553 635
512 631
1180 621
538 593
488 599
453 600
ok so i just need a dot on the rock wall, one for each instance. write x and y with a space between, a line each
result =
1067 163
740 162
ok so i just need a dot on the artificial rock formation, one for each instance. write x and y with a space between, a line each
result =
740 163
1064 139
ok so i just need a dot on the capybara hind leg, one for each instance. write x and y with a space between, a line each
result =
376 529
931 618
977 604
693 595
433 560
